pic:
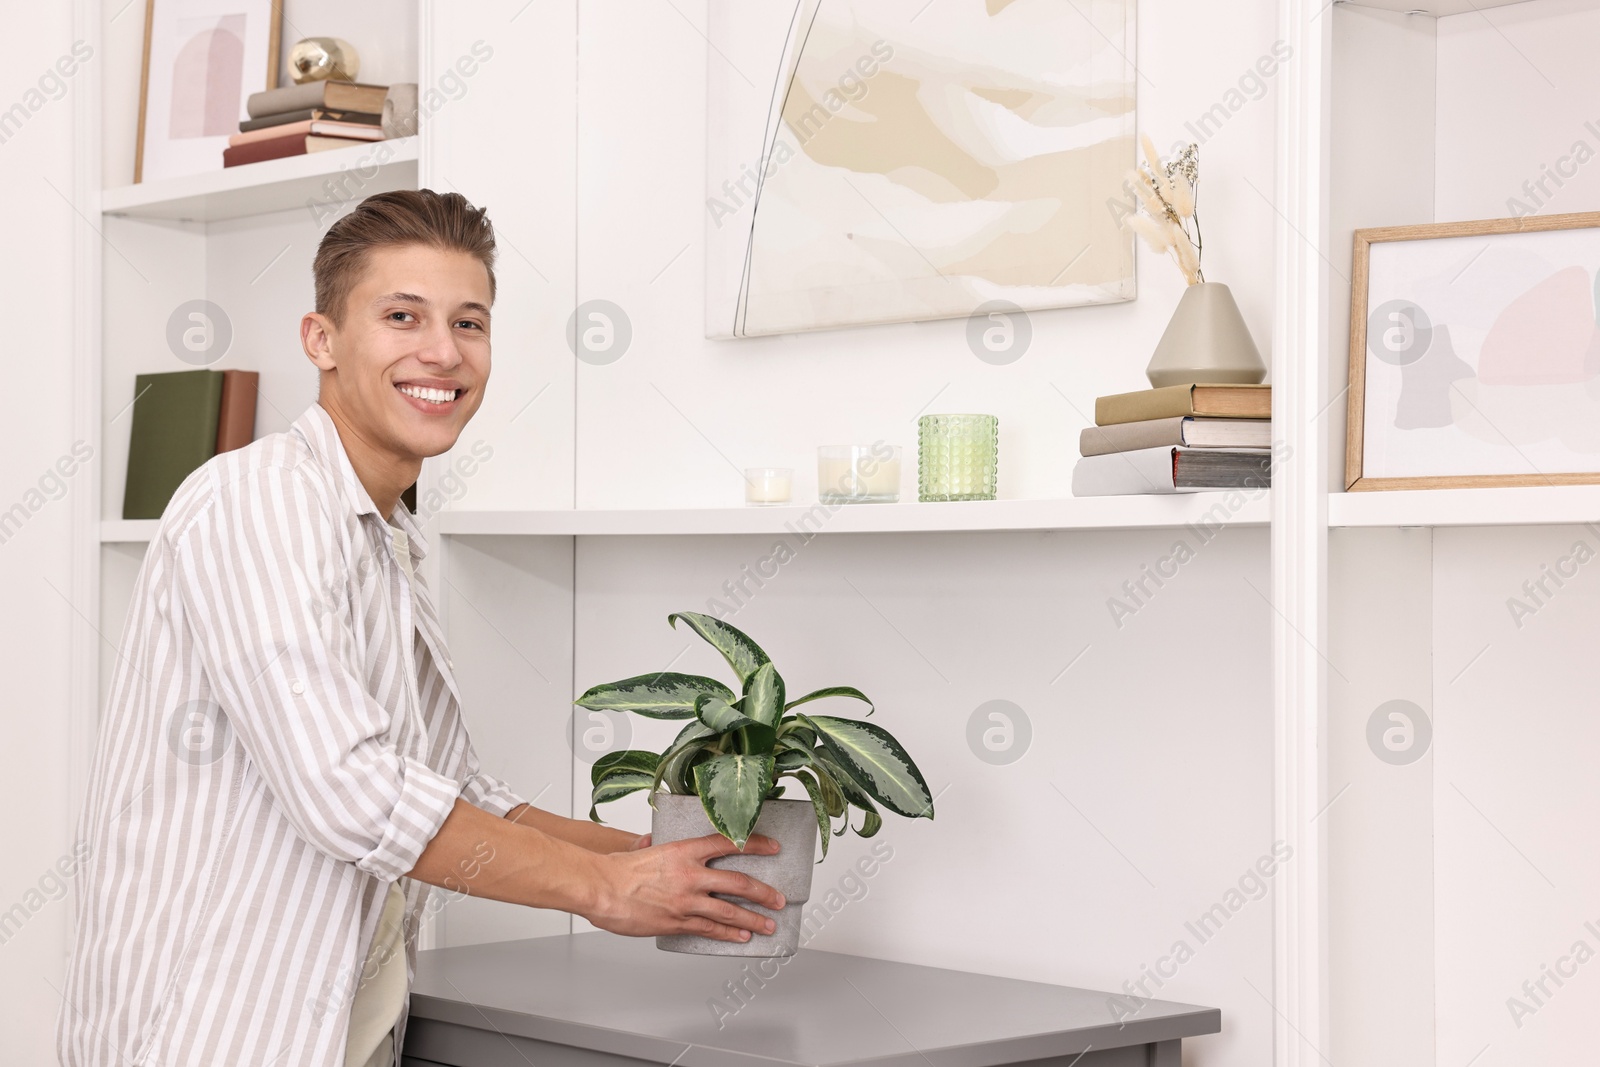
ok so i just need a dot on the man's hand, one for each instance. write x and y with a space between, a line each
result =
666 889
621 883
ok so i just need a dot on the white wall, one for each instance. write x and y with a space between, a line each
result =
1142 798
1517 88
36 274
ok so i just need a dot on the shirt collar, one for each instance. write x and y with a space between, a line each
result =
317 428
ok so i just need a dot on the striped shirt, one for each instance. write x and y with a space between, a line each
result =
283 738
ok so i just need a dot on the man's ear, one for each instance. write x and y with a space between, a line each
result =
316 337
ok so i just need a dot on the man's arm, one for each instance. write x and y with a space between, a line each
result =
580 832
663 889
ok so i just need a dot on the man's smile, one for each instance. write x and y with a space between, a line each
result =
433 396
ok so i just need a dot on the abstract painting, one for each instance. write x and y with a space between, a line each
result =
202 60
1475 354
884 161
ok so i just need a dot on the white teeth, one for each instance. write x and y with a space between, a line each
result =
432 396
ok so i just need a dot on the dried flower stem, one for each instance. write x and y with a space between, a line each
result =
1169 194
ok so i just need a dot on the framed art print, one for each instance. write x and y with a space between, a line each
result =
893 160
1475 354
202 60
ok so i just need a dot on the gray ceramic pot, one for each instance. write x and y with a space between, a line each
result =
793 824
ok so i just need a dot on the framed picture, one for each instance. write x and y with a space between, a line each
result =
894 160
202 60
1475 354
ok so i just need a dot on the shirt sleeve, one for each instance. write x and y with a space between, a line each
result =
489 793
262 581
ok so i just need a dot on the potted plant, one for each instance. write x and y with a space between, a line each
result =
1207 339
723 774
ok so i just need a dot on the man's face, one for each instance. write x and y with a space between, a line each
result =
412 357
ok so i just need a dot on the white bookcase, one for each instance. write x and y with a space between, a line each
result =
1225 715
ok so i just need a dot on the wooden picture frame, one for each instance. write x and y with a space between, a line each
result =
1502 256
262 30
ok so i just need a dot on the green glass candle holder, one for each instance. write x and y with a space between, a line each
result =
958 457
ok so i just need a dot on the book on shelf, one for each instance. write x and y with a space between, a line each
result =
236 410
1189 431
1199 398
1172 469
356 131
180 420
334 95
295 144
174 431
283 118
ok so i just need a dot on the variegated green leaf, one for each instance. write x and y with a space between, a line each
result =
629 759
763 695
878 763
832 796
725 718
616 785
742 654
790 759
663 695
796 734
675 760
720 715
814 791
731 789
831 691
871 821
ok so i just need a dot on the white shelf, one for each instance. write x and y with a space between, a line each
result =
1088 513
1519 506
1435 8
271 185
123 531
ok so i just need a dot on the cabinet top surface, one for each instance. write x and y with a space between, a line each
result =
623 996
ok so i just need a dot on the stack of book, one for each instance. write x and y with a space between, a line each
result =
1177 439
314 117
180 420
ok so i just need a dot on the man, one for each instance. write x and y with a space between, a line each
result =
282 770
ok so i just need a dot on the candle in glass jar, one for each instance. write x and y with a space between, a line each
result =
768 485
858 474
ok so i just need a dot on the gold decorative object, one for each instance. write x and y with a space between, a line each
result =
323 59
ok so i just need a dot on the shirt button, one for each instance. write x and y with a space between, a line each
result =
448 662
296 687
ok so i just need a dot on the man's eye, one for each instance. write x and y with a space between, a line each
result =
392 315
469 322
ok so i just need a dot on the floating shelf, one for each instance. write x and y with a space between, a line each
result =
272 185
124 531
1088 513
1435 8
1520 506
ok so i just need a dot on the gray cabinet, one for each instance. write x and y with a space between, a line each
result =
598 1000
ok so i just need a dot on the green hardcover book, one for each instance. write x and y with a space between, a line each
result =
174 431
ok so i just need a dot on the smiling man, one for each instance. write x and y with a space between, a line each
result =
282 769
